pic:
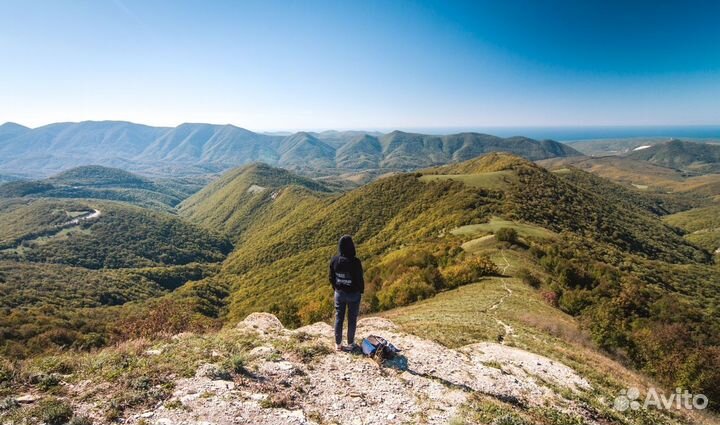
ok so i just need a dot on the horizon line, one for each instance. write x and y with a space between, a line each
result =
389 129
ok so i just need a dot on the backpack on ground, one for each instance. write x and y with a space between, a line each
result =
378 348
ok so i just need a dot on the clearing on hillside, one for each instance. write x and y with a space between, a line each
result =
496 223
494 180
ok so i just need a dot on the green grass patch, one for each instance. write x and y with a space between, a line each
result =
495 180
495 224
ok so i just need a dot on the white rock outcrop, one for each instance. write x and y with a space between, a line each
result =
428 383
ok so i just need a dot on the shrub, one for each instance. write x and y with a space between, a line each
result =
550 297
81 420
528 278
509 419
316 311
6 371
55 364
174 405
236 364
506 234
281 400
46 382
469 270
575 301
162 317
408 288
53 411
308 351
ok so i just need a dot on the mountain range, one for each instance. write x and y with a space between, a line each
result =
201 148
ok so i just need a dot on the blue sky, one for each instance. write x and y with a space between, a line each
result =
289 65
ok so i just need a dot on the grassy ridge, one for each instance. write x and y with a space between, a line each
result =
231 202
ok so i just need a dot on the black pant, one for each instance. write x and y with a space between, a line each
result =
351 302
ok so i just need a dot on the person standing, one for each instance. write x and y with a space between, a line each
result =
346 278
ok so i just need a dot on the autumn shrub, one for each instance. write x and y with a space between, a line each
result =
550 297
164 317
468 270
407 288
317 310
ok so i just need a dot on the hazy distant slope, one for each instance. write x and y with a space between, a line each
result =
362 152
211 143
403 150
339 138
692 156
682 186
303 150
201 148
95 176
10 130
230 202
89 139
619 169
55 147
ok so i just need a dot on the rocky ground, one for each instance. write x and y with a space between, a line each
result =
428 383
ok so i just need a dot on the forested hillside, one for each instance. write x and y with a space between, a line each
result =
97 182
103 235
65 264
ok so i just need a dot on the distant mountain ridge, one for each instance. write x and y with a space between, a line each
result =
682 155
194 147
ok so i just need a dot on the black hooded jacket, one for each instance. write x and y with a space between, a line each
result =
346 273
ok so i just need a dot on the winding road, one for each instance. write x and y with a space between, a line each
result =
57 229
94 214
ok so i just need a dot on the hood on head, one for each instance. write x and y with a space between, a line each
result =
346 246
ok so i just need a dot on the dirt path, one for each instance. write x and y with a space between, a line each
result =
507 263
509 330
503 298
